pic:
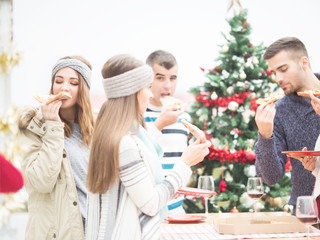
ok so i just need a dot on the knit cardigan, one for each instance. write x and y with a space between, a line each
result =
130 208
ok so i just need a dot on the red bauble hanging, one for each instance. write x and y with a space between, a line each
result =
288 166
223 186
268 72
234 210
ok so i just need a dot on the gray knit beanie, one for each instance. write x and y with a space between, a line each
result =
76 65
128 82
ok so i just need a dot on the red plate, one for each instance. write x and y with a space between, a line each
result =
185 218
301 153
196 192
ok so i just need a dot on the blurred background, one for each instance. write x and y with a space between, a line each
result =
44 31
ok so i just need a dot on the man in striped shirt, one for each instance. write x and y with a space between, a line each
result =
165 123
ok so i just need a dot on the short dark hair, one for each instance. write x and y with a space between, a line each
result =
292 44
162 58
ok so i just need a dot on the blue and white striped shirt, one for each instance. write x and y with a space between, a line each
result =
173 139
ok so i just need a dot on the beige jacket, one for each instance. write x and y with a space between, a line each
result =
54 212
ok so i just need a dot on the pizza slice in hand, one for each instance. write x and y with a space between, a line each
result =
315 92
195 131
169 101
267 100
50 98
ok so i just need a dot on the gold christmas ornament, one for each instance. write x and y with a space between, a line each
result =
8 61
245 24
225 48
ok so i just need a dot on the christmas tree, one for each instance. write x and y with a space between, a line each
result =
225 108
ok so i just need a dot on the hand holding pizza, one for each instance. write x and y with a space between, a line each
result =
195 131
47 99
266 101
265 116
315 102
172 109
50 105
195 152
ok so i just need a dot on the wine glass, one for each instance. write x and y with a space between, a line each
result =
255 189
207 183
307 211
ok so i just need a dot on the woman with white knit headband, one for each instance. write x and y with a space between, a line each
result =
56 139
128 194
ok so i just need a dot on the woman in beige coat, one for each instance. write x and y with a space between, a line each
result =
56 140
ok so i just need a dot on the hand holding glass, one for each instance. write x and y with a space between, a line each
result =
307 211
255 189
206 182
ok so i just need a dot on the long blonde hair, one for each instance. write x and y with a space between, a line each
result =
84 115
116 119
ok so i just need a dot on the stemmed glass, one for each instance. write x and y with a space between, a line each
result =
207 183
307 211
255 189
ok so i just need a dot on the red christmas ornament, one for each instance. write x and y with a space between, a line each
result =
246 56
288 166
11 179
223 186
234 210
253 104
268 72
250 155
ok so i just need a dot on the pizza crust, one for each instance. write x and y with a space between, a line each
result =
315 92
50 98
169 101
266 100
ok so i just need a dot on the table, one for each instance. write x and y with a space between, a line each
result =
205 231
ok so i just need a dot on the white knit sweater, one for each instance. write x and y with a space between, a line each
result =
130 208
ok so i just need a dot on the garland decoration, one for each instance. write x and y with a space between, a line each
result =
222 101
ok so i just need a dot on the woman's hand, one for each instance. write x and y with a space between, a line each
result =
51 111
195 152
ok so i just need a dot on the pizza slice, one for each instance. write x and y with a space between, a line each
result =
267 100
315 92
169 101
195 131
50 98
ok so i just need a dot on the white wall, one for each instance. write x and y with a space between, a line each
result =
191 30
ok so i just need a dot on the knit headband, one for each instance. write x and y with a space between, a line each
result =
128 82
76 65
